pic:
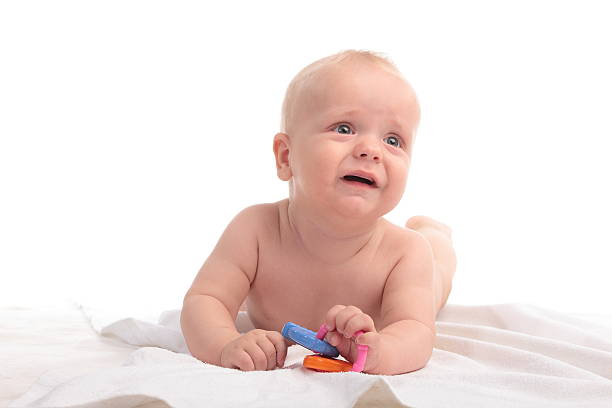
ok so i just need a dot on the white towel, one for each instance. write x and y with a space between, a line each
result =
509 355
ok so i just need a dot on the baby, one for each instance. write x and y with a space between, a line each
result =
326 254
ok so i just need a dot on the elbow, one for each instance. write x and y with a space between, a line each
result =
426 351
414 360
410 353
424 359
422 350
203 357
418 362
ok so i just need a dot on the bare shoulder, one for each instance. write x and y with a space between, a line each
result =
239 243
263 217
411 252
252 215
404 242
232 265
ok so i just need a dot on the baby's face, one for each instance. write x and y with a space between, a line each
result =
352 120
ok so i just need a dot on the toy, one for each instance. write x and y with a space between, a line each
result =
309 339
326 364
323 361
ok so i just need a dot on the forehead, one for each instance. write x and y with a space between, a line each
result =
357 89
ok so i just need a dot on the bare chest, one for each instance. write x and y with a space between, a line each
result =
290 286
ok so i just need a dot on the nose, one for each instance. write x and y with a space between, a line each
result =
368 148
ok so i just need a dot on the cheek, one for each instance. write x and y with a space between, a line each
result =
400 174
322 159
315 165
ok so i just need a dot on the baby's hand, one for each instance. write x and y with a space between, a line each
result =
255 350
343 322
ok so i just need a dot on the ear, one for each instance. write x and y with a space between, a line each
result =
281 154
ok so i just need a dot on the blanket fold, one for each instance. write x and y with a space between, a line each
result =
509 355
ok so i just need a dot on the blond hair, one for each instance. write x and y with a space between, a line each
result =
308 72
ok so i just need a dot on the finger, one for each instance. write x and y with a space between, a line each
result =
243 361
330 317
280 346
334 338
269 351
343 317
371 339
358 322
338 341
257 355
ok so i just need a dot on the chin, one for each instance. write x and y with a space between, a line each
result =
357 207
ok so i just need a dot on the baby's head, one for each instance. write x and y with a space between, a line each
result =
349 114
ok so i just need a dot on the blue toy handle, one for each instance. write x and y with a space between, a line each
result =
308 339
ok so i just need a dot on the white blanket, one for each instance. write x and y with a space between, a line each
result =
509 355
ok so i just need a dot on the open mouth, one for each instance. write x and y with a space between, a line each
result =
359 179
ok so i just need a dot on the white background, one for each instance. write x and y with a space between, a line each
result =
132 133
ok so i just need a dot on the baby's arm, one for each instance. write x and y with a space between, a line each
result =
212 303
407 311
405 341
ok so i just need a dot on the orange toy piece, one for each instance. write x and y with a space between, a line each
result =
326 364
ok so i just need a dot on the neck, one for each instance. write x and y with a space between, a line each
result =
327 239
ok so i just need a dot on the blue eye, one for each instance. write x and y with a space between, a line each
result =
347 130
397 141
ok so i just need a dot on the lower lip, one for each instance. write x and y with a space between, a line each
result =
358 184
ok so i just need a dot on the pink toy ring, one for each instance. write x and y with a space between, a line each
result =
362 354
